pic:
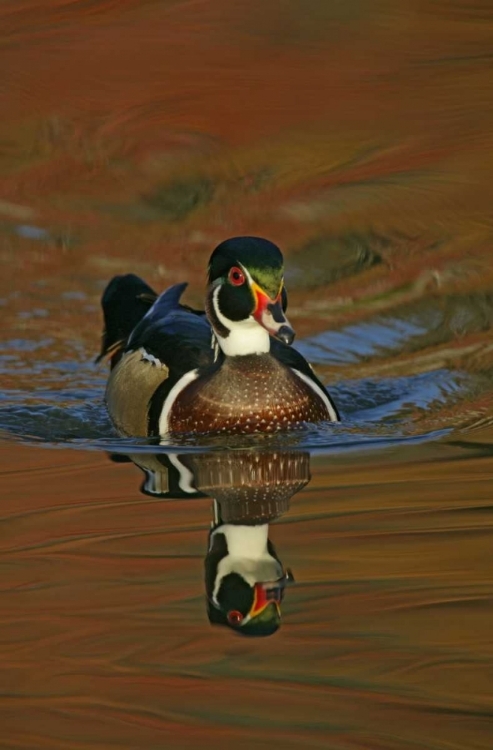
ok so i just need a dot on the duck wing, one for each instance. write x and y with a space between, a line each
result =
173 335
168 342
126 300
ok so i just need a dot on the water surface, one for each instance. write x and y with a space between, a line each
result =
135 136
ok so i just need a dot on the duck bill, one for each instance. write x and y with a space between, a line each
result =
269 313
263 595
264 617
266 622
266 594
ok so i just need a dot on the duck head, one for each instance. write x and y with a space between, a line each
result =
246 301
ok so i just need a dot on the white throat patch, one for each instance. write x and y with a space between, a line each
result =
247 555
245 336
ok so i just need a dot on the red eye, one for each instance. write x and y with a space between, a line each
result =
236 276
234 617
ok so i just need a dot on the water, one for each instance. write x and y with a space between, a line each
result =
359 138
385 636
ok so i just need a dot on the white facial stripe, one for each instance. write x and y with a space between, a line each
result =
272 325
267 317
245 336
247 274
320 393
215 301
252 281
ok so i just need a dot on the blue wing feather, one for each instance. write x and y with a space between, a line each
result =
178 336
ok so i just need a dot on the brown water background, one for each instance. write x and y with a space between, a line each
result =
359 136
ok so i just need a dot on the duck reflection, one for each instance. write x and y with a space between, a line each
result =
245 580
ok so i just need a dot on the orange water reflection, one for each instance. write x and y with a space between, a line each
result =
135 136
387 634
245 579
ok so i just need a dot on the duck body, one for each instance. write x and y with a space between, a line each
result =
174 372
252 393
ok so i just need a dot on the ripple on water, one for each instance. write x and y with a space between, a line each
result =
354 343
54 392
67 407
410 328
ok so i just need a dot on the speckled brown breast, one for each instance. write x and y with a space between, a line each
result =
254 393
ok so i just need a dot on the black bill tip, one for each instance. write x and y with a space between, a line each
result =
286 335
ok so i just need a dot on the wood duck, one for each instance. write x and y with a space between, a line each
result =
230 370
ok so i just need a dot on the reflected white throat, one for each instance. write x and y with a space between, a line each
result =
248 555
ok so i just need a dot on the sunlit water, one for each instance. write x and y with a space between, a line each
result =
62 400
135 136
385 636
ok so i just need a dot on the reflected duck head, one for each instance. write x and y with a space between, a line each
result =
251 610
245 580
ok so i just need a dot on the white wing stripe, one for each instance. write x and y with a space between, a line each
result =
319 392
171 397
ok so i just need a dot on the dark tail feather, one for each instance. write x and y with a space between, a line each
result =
125 301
